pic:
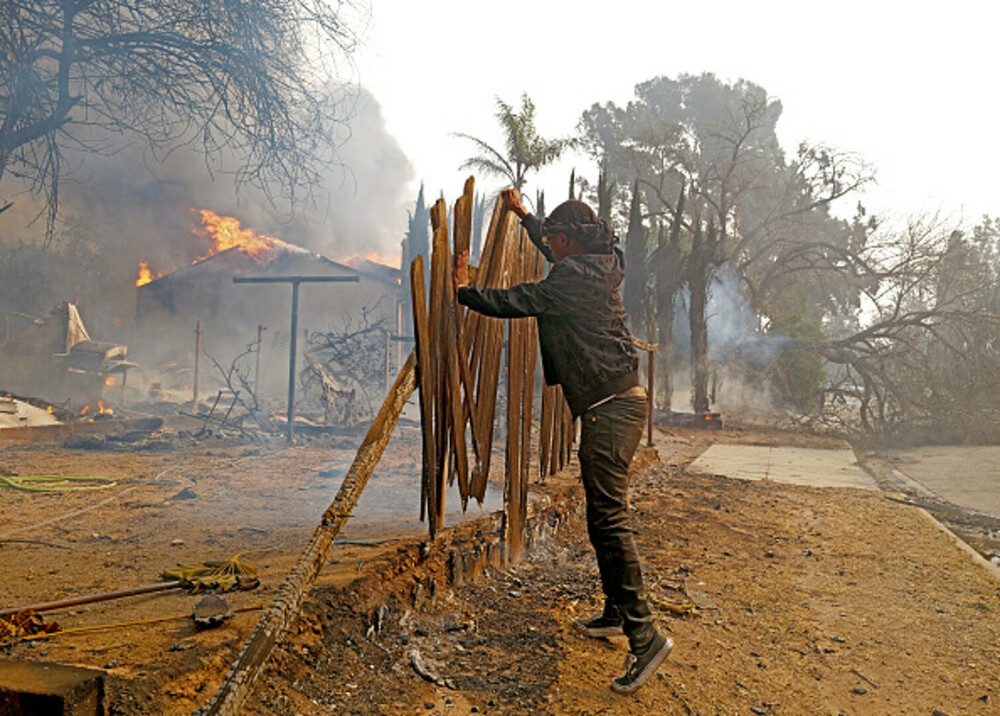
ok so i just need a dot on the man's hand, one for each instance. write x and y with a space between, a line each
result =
512 201
460 271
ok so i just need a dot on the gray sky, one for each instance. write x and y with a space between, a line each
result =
904 85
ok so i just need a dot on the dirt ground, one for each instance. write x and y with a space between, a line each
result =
815 601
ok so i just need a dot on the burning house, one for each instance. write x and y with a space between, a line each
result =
169 306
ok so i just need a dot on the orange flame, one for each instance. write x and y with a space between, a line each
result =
225 233
110 380
145 274
376 257
86 409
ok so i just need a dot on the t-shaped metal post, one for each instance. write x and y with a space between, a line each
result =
295 281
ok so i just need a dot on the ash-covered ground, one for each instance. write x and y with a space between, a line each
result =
813 600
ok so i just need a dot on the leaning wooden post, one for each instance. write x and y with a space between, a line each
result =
282 612
650 349
649 398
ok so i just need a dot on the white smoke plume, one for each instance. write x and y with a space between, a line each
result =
136 205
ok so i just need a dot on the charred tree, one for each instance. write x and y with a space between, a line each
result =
240 82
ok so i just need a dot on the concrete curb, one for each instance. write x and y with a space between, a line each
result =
922 491
976 557
912 484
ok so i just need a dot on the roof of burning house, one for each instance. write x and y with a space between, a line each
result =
282 259
373 269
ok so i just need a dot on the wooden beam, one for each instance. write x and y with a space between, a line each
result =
283 611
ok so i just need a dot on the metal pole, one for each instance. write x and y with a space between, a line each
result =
649 398
91 598
197 363
388 363
291 360
256 377
295 281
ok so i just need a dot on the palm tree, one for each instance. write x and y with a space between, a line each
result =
524 149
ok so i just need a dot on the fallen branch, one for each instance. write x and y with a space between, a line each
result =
863 677
35 541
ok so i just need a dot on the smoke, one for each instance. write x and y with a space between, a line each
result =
135 204
739 352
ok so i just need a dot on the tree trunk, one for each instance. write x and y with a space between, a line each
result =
668 281
699 338
665 333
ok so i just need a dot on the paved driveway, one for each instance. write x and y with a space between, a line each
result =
797 466
966 476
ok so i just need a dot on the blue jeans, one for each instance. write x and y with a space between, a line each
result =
609 436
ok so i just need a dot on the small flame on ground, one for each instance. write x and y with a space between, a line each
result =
110 380
101 410
48 409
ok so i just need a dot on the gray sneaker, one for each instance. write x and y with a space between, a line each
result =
639 667
602 625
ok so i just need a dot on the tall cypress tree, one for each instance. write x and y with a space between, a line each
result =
605 196
635 264
418 229
670 269
417 243
478 218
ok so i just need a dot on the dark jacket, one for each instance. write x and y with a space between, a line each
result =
585 344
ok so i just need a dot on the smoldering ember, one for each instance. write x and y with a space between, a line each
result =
283 433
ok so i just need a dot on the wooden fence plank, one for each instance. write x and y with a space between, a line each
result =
421 332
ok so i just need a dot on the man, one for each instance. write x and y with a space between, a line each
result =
586 347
